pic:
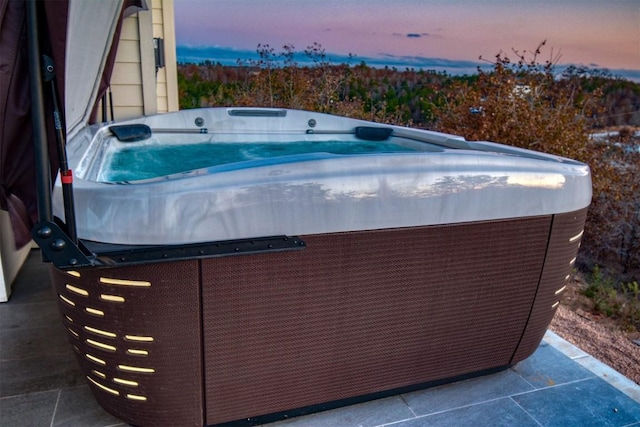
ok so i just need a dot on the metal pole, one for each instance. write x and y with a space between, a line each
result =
66 175
111 104
41 148
104 108
55 243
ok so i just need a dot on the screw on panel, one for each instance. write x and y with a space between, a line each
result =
45 232
58 245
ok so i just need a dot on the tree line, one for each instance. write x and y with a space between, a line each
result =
520 101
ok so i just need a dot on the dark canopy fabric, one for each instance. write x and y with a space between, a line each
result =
17 164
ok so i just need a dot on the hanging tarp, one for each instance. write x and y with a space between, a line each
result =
88 46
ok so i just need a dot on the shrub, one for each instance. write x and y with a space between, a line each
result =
521 103
620 302
525 104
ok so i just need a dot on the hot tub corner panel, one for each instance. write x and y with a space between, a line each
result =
136 333
564 242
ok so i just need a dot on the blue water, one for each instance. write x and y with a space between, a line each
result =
143 162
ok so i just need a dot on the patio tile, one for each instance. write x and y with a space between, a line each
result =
590 402
613 377
78 408
467 392
563 346
548 367
28 315
35 374
32 283
495 413
33 410
372 413
30 342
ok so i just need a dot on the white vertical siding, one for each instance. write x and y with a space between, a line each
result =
126 81
167 77
137 89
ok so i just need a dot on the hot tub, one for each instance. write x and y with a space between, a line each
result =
295 261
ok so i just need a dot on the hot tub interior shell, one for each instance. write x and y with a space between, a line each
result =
446 180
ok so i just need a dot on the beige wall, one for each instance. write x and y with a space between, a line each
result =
136 88
11 259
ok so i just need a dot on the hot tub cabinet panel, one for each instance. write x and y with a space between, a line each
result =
354 315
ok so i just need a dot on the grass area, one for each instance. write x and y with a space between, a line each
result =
618 301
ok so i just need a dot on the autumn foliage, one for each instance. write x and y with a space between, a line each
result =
520 101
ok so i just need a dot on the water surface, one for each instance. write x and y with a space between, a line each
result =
149 161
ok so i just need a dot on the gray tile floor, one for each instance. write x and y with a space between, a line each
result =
559 385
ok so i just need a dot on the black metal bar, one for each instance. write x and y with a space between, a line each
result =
104 108
111 104
54 242
120 255
185 130
41 148
66 175
257 112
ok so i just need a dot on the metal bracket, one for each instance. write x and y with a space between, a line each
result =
126 255
58 248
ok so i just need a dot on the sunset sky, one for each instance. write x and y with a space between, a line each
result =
603 33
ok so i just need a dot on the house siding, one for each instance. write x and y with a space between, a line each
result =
137 88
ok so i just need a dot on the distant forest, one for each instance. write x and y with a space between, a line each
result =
520 101
402 96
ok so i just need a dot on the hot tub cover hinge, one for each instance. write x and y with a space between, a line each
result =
58 248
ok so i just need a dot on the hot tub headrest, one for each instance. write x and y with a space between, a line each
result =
371 133
131 133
